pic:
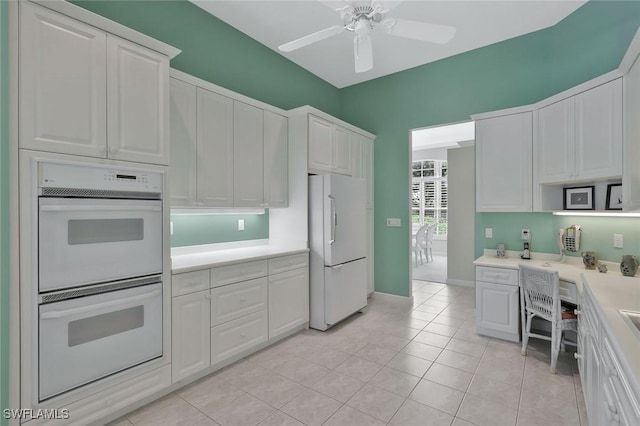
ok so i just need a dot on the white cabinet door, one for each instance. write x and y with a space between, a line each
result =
276 184
288 301
497 308
356 155
215 149
137 100
504 163
341 151
370 252
182 116
367 167
599 132
556 130
63 84
190 325
631 176
320 144
248 157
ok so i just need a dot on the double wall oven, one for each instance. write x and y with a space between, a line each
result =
100 264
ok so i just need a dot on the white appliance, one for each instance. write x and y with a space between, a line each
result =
100 265
337 239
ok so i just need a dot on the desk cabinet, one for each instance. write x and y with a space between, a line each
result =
497 305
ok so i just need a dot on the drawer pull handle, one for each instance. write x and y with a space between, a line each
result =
577 312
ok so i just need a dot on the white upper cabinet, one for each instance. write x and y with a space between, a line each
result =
362 162
248 157
215 149
89 93
631 178
63 84
504 163
137 100
183 176
329 147
276 193
580 137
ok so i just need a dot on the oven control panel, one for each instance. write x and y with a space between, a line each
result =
97 177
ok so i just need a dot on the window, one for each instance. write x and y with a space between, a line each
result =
429 194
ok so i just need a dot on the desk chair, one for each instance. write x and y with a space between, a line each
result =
541 290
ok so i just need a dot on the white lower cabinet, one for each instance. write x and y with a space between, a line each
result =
238 335
190 333
497 303
288 300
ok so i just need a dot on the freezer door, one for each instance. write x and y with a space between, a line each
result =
345 219
345 290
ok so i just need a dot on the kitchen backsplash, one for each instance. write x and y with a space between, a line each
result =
597 233
189 230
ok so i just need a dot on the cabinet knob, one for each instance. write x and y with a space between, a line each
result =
576 355
577 312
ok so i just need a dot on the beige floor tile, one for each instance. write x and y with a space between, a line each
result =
554 410
311 407
449 321
392 342
302 371
444 330
347 416
459 422
244 410
122 421
422 350
271 357
328 357
413 413
448 376
501 370
376 402
395 381
210 393
432 339
275 390
377 352
467 348
242 373
483 412
458 360
429 309
168 412
422 315
492 390
559 386
338 386
410 364
280 419
437 396
471 336
359 368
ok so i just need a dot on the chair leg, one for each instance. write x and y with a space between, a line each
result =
525 335
431 253
556 335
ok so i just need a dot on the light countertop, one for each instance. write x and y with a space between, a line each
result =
193 258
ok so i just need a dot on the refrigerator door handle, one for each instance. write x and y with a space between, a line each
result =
334 219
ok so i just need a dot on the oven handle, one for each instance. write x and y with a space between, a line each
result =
70 208
74 311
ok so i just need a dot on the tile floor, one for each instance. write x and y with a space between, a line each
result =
395 364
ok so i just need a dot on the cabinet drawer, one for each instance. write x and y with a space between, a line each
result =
238 272
189 282
626 402
287 263
236 336
236 300
497 275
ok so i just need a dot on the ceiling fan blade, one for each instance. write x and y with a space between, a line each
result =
363 52
311 38
434 33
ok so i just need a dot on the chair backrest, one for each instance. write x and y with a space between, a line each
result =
431 230
421 235
541 288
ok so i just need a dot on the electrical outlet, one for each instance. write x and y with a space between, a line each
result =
618 241
240 224
393 221
488 232
526 235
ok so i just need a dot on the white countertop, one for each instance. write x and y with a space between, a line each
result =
193 258
611 291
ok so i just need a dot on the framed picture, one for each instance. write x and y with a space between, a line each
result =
578 198
614 197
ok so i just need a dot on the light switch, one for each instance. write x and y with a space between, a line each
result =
240 224
488 232
525 235
618 241
393 221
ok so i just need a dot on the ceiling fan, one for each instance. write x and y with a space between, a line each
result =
363 17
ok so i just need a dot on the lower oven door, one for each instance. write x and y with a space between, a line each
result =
85 339
84 240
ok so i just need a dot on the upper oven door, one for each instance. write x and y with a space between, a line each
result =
85 241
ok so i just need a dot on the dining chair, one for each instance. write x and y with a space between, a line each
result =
419 244
541 290
428 249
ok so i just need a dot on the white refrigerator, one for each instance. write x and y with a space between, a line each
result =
337 239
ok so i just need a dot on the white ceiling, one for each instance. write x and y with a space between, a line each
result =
478 22
443 136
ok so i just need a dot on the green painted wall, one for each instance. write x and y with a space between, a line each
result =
4 211
519 71
207 229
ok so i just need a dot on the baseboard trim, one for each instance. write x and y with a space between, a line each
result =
461 283
393 298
